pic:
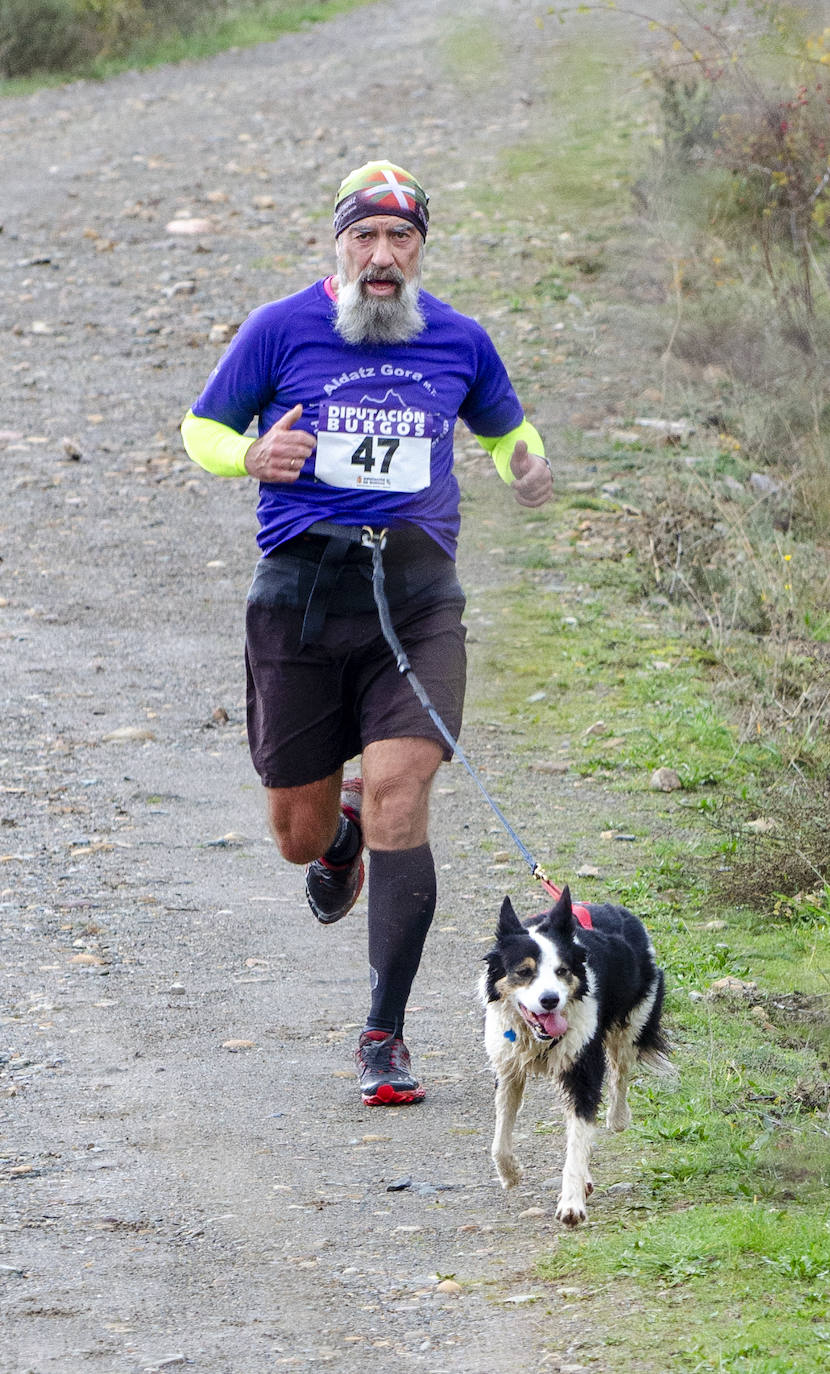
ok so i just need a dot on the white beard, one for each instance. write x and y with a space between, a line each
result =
360 318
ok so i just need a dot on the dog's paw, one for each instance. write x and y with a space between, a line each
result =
570 1213
508 1171
619 1120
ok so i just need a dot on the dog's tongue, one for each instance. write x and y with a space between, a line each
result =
554 1024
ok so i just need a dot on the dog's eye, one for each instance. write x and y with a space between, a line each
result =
561 972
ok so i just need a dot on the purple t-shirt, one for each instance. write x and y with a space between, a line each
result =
383 414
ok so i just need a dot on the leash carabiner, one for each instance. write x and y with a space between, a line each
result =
373 539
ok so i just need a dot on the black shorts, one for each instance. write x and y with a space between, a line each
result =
312 706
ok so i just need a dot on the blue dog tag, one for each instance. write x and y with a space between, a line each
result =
510 1034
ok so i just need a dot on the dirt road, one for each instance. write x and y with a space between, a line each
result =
173 1200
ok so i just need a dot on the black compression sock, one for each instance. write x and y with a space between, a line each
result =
401 908
345 844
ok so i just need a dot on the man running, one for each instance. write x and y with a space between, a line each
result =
356 384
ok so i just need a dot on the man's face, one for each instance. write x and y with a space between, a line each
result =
379 278
380 250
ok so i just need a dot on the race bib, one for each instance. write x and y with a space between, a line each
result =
373 448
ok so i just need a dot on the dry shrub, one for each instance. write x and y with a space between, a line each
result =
695 558
780 850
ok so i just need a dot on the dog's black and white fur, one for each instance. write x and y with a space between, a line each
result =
566 1002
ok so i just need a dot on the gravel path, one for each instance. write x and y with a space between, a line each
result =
171 1200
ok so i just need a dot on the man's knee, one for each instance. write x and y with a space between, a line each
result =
304 820
398 776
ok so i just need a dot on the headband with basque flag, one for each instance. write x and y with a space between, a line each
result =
380 188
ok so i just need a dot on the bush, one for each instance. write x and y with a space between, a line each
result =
41 35
67 35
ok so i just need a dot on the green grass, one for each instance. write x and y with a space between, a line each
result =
744 1290
259 21
642 679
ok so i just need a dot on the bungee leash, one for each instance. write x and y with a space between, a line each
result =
376 541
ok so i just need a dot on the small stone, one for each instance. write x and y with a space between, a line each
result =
762 825
126 733
176 990
587 871
669 429
665 780
220 716
230 841
181 288
619 1189
264 203
236 1046
448 1286
399 1185
715 925
536 696
598 728
72 449
553 766
189 226
87 960
759 1014
221 333
763 485
731 987
533 1212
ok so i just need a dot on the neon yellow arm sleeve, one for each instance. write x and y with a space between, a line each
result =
501 447
216 448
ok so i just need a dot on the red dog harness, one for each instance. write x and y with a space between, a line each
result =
581 913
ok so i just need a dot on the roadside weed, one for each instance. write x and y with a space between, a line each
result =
745 1290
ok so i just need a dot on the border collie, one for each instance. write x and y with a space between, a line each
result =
564 1002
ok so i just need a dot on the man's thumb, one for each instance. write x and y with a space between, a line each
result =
290 418
518 460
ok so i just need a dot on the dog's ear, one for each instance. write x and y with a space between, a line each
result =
509 923
495 972
561 915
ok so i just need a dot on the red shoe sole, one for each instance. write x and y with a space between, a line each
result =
387 1096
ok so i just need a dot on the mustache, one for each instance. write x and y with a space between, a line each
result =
390 274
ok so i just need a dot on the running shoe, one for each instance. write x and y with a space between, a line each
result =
332 889
384 1071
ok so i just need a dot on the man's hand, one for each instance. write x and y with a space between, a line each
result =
279 454
532 483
